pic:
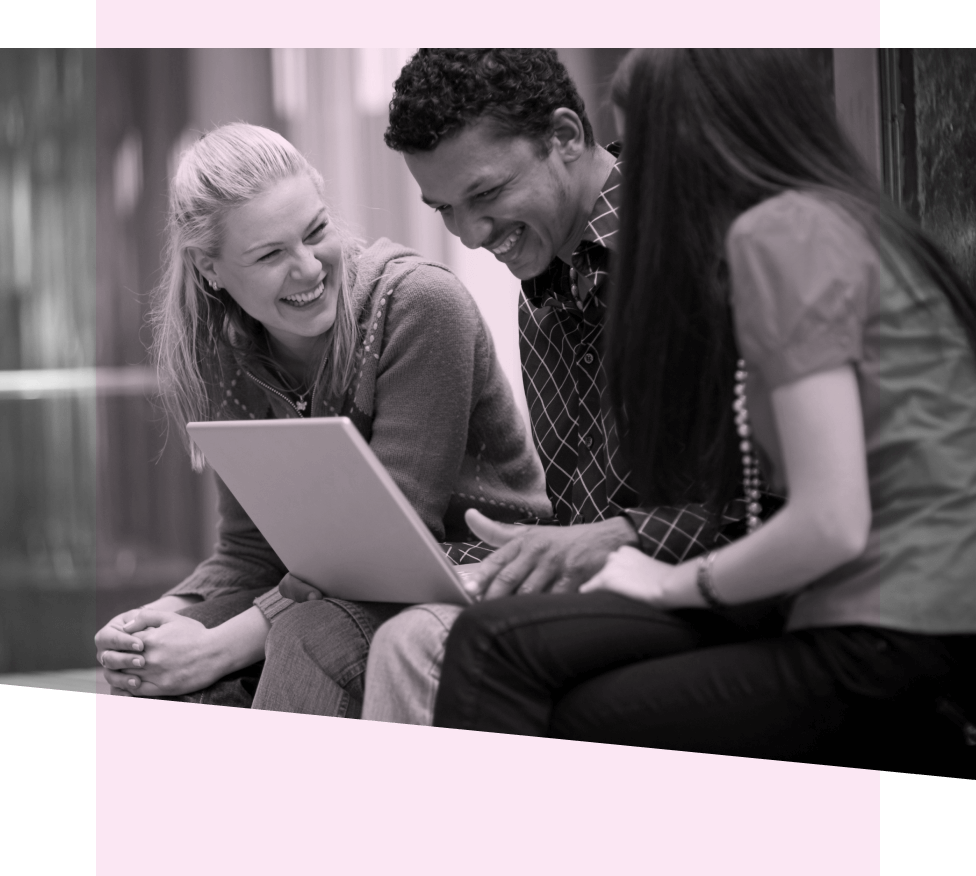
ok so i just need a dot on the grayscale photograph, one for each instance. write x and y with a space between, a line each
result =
623 396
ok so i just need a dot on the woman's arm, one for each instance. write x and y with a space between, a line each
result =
242 558
434 361
179 655
824 524
432 367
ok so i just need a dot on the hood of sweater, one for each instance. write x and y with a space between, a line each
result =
384 258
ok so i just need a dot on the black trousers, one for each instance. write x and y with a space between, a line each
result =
603 668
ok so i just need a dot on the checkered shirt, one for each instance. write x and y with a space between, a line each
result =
561 318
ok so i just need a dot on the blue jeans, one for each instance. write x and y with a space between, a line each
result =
315 659
404 665
315 656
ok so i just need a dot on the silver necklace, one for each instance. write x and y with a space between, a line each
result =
301 397
301 404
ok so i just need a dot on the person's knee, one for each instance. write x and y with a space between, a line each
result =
469 624
414 634
482 621
319 640
291 629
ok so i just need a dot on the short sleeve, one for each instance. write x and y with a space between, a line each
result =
801 273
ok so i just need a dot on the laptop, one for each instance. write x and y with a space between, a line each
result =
330 510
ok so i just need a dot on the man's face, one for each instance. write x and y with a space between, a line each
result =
496 192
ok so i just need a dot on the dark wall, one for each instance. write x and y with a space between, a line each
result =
945 128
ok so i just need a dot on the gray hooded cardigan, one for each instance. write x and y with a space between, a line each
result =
428 395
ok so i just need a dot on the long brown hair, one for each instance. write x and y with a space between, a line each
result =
709 134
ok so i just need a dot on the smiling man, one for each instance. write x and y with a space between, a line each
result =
499 142
525 200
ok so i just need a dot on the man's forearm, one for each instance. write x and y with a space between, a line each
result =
623 528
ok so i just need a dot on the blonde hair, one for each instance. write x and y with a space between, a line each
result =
191 322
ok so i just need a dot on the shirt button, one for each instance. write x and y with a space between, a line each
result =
588 359
587 441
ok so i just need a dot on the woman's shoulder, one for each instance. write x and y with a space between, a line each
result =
386 258
412 278
802 274
798 218
801 241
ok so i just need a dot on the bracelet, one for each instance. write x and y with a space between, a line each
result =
706 586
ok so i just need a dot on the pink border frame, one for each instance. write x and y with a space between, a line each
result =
293 793
385 23
417 797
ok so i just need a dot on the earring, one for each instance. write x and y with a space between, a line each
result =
213 285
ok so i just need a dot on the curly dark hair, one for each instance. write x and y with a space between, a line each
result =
440 91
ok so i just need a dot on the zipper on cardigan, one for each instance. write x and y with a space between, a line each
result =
264 385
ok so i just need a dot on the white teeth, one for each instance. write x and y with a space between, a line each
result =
509 241
306 297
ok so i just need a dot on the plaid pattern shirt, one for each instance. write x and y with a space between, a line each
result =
561 318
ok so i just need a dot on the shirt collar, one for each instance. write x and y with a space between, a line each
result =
604 219
589 257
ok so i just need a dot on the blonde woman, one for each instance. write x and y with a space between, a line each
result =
268 309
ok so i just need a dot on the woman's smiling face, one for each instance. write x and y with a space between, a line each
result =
281 261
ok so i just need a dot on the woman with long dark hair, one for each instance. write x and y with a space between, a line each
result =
774 320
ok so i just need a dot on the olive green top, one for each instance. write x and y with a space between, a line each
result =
809 294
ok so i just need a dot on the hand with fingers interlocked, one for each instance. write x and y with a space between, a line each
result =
122 652
156 651
179 655
119 652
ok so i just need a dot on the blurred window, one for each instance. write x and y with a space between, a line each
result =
47 357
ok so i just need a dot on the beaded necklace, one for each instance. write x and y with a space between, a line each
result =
750 484
750 463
